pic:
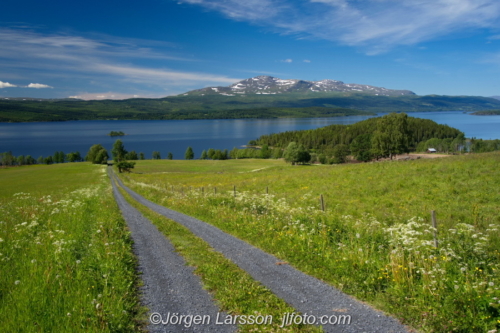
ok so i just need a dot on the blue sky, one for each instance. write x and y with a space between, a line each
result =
155 48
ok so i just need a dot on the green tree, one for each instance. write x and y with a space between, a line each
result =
97 154
217 155
234 153
30 160
59 157
189 155
170 156
392 136
265 152
102 157
295 154
156 155
131 155
125 166
21 160
211 153
340 153
74 157
141 156
48 160
7 158
204 155
119 153
361 148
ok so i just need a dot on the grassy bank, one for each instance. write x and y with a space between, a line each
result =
374 240
65 254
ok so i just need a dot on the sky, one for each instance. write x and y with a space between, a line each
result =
156 48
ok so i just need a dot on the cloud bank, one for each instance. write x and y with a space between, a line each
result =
106 61
377 25
38 86
6 85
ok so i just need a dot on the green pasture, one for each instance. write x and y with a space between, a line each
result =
65 253
374 240
202 166
41 179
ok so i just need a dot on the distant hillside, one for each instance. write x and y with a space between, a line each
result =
487 113
260 97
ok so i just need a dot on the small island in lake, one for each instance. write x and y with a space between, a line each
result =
114 133
487 113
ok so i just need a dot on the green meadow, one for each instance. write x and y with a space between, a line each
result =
65 253
374 240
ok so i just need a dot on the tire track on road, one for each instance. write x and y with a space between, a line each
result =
169 284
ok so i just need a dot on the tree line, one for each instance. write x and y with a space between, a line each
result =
374 138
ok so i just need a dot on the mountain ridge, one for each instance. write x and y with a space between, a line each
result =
269 85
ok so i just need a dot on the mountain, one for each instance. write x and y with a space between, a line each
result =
495 97
258 97
268 85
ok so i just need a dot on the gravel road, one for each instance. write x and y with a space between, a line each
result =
170 287
306 294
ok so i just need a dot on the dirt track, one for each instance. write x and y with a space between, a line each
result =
306 294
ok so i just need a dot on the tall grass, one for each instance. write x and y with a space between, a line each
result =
375 239
65 256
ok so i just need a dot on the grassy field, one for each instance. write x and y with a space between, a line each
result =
65 254
374 240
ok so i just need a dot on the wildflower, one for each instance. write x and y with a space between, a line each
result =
33 261
78 261
1 240
68 314
17 282
491 284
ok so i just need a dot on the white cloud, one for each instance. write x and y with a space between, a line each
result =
140 74
110 61
6 85
374 24
307 61
287 61
110 95
38 86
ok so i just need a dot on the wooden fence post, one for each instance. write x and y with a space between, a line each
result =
322 202
234 191
267 189
434 225
215 190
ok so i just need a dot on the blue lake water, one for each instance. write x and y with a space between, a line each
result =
176 135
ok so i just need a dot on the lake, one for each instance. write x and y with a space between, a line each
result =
175 136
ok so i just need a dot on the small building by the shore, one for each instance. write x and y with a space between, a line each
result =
431 150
